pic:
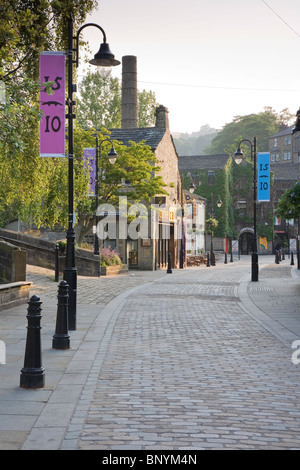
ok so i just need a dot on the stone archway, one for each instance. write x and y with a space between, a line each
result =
246 241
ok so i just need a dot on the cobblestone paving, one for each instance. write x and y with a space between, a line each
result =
187 368
91 290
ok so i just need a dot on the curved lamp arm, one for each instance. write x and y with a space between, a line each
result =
77 38
104 58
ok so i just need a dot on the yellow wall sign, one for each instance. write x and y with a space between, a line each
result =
263 243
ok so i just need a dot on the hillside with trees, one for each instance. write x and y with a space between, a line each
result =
195 143
261 125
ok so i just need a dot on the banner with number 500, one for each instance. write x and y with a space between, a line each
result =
52 107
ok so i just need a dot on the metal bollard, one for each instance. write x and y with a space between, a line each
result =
277 257
181 261
231 257
169 270
56 263
33 374
207 262
292 258
61 338
225 260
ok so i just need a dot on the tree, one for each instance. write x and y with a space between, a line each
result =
289 204
146 110
261 125
26 29
99 104
134 175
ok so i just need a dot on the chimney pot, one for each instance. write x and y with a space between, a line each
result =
162 118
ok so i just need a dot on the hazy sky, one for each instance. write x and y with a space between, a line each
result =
207 60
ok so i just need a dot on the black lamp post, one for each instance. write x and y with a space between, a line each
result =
112 156
103 59
219 204
238 159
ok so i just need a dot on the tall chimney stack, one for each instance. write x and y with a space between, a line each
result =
129 93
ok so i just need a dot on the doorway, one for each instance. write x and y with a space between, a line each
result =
246 243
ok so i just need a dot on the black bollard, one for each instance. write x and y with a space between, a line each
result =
181 261
61 338
277 257
225 260
33 374
56 263
207 262
231 257
169 270
212 259
283 255
292 258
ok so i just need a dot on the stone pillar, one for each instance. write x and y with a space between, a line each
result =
129 93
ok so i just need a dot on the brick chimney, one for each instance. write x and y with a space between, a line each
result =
162 118
129 93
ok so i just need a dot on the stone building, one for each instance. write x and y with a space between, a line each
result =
218 178
284 148
165 224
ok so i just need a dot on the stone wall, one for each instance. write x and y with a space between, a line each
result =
42 253
12 263
13 294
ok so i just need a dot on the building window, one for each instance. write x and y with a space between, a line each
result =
287 156
275 143
277 157
287 140
272 157
211 177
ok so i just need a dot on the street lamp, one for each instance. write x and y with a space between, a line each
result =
238 159
219 204
103 58
112 156
192 187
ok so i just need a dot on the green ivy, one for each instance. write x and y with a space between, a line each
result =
232 182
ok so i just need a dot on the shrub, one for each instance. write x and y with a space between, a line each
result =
109 257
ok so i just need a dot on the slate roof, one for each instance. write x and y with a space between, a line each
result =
284 131
151 135
203 162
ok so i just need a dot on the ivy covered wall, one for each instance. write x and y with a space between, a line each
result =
233 184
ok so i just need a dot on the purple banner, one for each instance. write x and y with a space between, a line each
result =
89 163
52 125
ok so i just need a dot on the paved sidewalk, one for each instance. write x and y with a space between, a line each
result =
197 359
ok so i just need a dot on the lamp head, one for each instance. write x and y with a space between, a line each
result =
104 60
192 187
238 156
112 155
